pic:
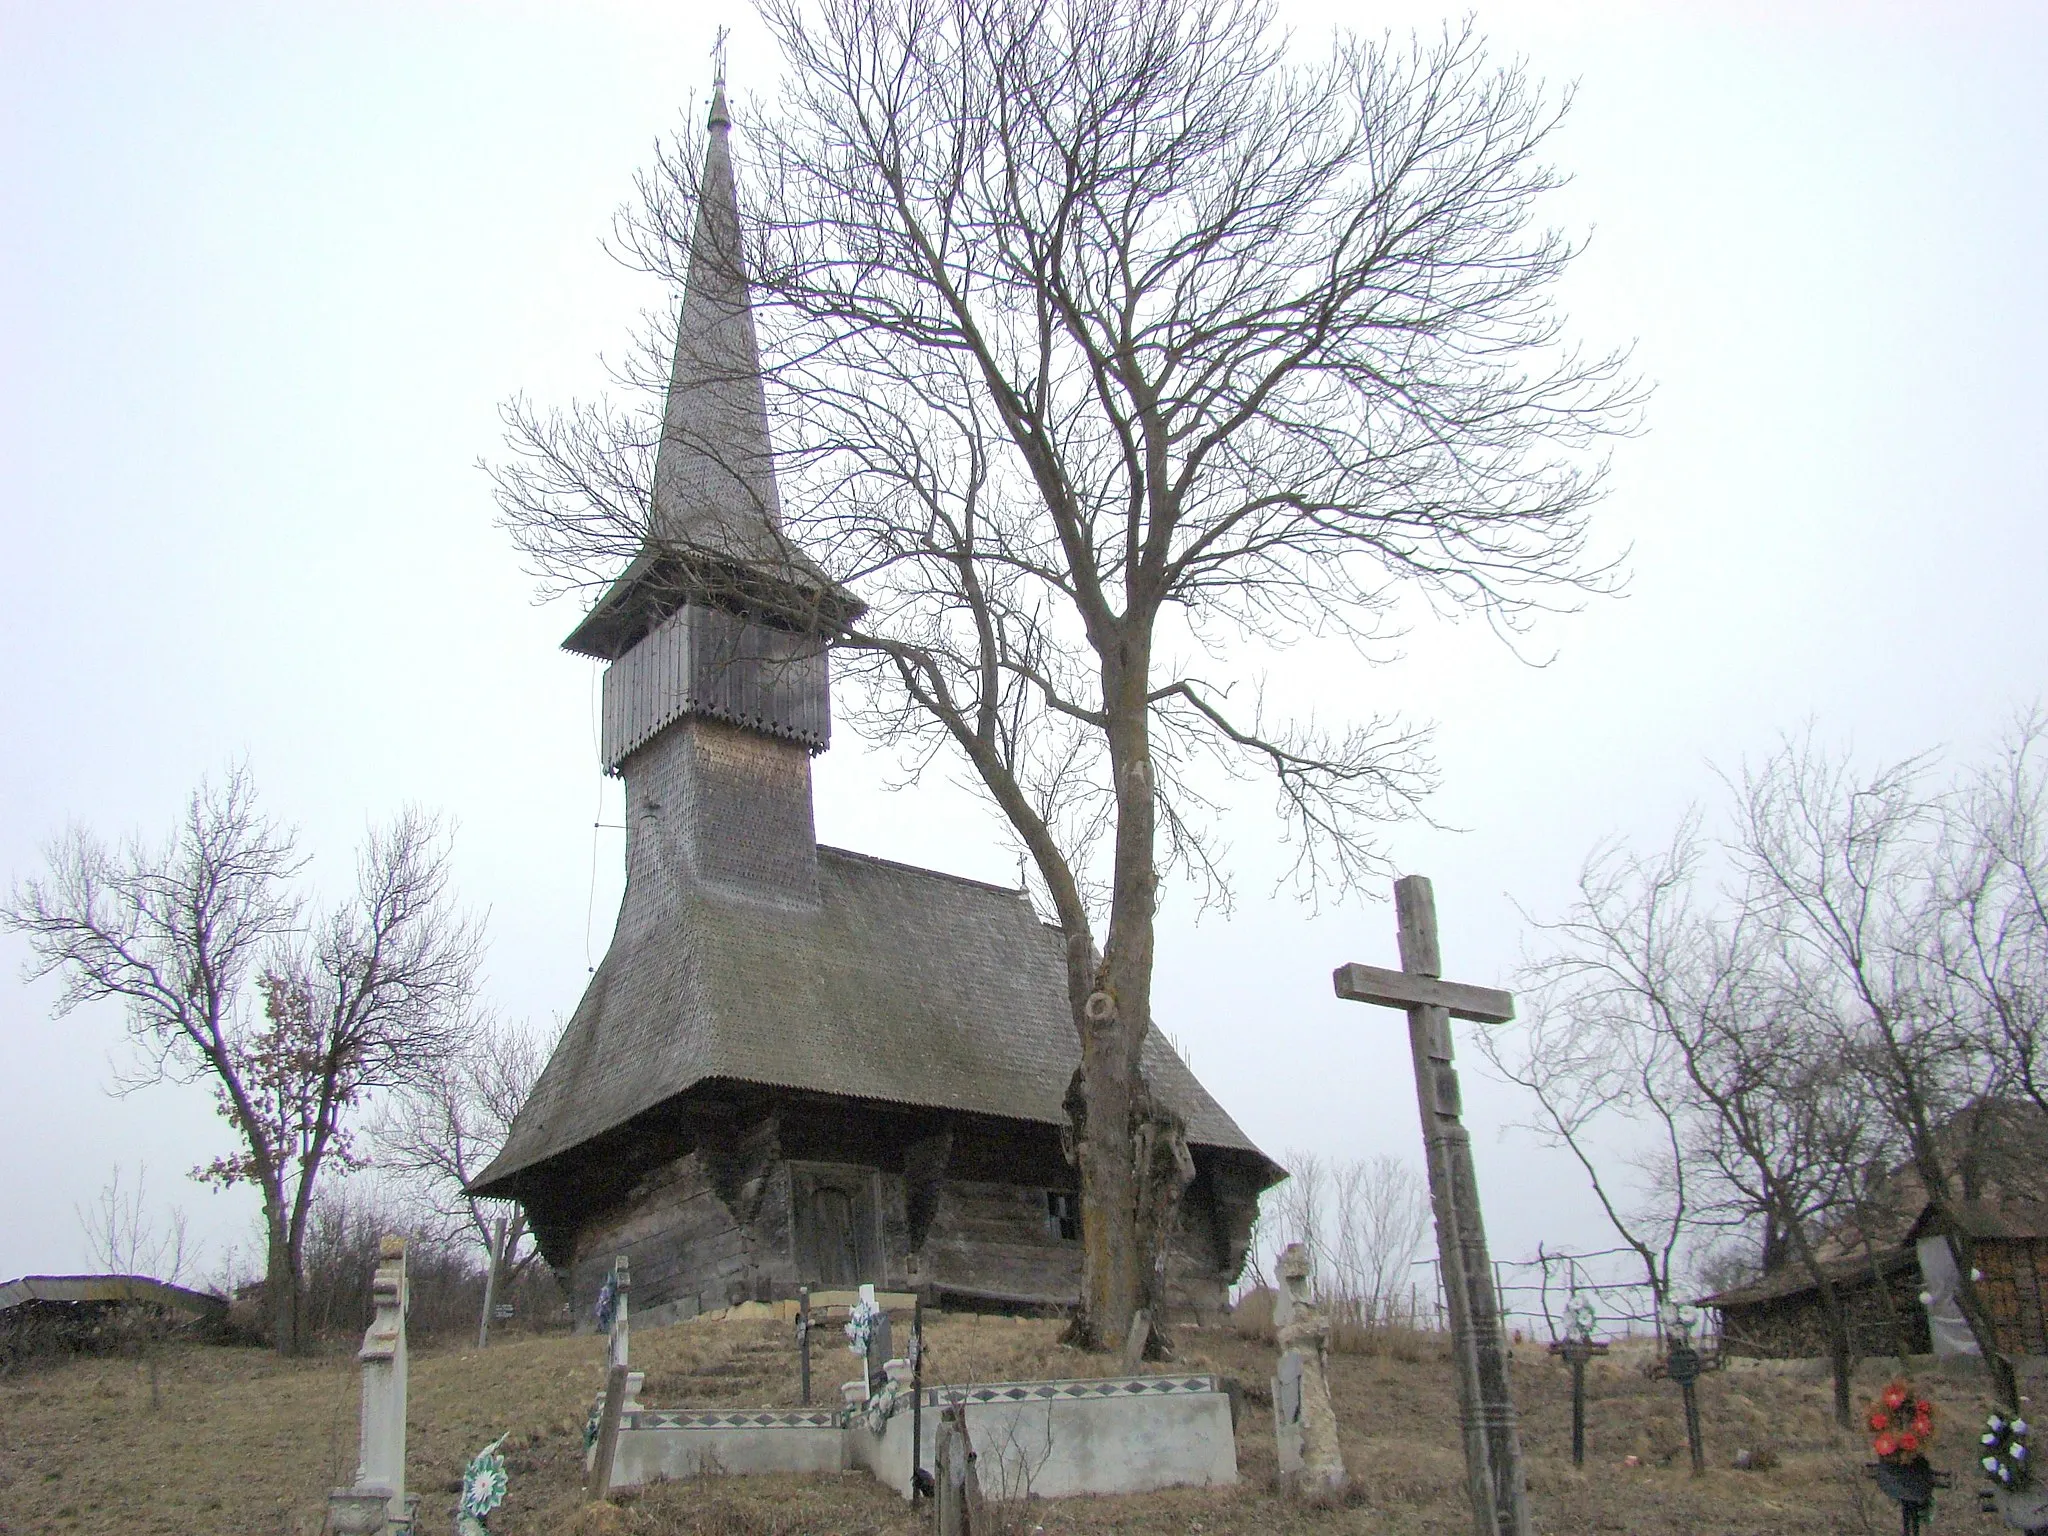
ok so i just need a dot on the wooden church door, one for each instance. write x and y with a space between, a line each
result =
835 1225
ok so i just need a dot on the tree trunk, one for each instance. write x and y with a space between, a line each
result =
281 1291
1841 1360
1111 1267
504 1233
1132 1156
1834 1313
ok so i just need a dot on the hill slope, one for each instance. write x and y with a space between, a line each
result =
247 1443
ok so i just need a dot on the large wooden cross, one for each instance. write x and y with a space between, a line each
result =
1493 1447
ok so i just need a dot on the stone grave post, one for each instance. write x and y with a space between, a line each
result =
1304 1424
1493 1442
377 1501
803 1341
619 1333
881 1348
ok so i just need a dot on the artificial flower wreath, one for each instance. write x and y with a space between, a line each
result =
861 1325
483 1490
1900 1424
2005 1459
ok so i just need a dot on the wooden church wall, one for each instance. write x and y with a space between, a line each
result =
683 1242
958 1208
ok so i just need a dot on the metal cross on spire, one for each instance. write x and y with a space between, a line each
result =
718 58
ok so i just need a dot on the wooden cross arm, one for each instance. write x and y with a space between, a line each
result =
1401 989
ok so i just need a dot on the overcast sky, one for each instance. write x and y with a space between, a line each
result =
266 272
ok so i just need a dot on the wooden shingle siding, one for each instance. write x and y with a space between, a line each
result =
702 661
2013 1291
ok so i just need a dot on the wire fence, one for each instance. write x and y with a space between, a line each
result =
1531 1293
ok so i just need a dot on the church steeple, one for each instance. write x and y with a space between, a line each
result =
715 516
714 475
718 691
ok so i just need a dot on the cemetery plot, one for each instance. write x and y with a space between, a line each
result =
81 1454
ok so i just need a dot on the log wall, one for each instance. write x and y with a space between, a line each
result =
956 1208
1794 1327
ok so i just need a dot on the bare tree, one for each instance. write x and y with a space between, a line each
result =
1991 943
1382 1217
1845 866
1607 1090
1362 1220
363 997
1844 1030
124 1237
1770 1129
445 1129
1114 351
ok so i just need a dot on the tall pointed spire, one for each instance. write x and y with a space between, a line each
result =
714 475
715 514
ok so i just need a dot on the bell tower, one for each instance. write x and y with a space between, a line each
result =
718 690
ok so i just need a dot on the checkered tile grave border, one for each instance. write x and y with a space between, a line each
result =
1036 1391
731 1418
934 1397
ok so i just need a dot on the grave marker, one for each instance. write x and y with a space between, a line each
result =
1682 1365
1304 1424
1493 1447
377 1501
1575 1349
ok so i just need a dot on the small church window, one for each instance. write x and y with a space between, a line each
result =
1063 1215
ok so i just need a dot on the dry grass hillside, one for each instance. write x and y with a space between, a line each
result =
246 1443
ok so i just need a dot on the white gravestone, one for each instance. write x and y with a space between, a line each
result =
377 1502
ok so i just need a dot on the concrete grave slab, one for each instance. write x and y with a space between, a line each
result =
1128 1434
1052 1439
736 1442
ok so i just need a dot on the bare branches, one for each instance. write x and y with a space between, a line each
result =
1110 346
123 1235
1077 315
1850 1014
173 933
366 996
446 1126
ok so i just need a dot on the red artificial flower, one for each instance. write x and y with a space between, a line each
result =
1895 1395
1908 1443
1885 1445
1879 1420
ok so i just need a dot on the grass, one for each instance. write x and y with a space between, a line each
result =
247 1443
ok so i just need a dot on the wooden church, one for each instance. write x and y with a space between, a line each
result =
800 1065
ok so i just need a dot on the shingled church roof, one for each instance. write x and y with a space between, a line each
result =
905 986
